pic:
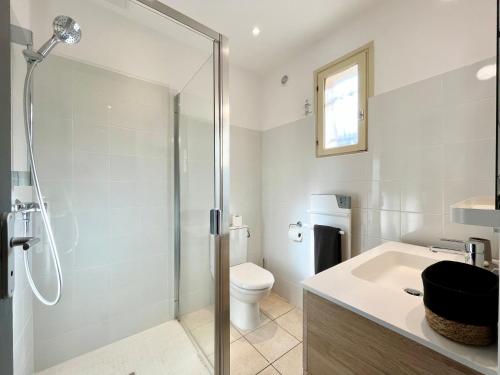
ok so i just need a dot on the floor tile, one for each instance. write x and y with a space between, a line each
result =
198 318
245 360
292 322
234 334
264 319
269 370
164 349
204 337
275 306
272 341
291 362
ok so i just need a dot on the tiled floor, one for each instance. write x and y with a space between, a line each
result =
275 347
162 350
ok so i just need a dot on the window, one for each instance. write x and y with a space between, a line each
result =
342 90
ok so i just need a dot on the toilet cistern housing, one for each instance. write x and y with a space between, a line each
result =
238 244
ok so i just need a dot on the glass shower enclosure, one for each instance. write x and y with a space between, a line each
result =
131 143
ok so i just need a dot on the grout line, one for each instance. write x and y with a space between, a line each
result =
279 316
274 367
257 350
290 333
287 331
277 359
244 336
265 368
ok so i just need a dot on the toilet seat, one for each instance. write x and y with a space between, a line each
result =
249 276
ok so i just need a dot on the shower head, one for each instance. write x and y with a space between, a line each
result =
66 30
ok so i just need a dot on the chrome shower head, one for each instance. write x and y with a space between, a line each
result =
66 30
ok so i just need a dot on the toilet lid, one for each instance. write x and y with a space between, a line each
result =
250 276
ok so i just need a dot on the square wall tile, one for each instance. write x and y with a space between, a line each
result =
421 229
474 159
385 195
384 224
423 196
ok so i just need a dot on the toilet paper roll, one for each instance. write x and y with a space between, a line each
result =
237 221
295 234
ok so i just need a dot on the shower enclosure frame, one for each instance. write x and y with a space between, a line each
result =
219 214
6 324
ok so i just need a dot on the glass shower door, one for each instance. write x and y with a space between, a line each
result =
194 107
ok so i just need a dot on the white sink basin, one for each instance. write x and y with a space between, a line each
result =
395 269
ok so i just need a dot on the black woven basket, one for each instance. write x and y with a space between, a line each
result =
461 302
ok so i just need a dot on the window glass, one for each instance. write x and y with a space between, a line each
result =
341 108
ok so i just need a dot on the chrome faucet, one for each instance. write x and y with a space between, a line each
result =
477 250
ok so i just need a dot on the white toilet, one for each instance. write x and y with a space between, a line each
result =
249 283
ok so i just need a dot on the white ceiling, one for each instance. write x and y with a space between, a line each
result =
286 25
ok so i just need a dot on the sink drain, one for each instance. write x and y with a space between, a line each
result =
413 292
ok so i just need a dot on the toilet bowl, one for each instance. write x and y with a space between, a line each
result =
249 284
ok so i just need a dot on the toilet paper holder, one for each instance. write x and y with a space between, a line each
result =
300 225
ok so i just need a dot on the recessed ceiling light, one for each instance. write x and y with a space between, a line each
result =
255 31
487 72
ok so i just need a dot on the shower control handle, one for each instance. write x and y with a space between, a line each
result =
26 242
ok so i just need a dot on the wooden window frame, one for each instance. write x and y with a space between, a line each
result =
363 57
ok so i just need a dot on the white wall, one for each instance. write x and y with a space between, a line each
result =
414 40
245 98
102 142
246 180
169 54
416 165
431 144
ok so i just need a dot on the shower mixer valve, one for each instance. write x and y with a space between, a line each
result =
26 209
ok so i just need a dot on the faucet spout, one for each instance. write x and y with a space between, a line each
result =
476 250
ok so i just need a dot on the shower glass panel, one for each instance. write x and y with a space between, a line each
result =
196 180
123 136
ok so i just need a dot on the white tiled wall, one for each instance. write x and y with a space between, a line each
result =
246 179
197 199
431 144
196 170
104 153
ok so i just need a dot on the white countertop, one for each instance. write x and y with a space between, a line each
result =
395 309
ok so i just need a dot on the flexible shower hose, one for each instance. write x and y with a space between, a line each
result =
28 122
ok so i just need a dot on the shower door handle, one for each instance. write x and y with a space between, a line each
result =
6 255
215 222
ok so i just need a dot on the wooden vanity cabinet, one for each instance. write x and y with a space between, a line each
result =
339 341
